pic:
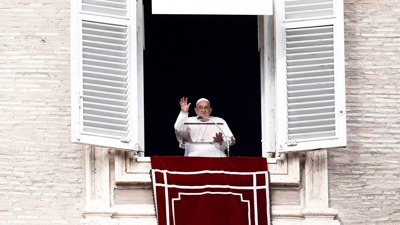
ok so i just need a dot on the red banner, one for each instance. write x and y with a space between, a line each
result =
208 191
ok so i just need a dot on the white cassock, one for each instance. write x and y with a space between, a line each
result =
199 135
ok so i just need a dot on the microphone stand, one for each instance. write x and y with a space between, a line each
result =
226 137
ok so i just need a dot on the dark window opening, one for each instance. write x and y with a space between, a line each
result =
195 56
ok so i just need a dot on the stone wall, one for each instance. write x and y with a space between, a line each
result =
42 176
365 176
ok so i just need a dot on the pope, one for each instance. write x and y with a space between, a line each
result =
202 129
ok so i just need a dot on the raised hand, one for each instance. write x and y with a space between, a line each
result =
218 137
184 105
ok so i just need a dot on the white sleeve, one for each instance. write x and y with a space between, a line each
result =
229 136
180 128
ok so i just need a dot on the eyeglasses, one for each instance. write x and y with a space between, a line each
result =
201 108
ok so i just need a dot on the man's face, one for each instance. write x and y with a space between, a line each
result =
203 109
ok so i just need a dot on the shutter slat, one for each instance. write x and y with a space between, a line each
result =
297 2
309 74
104 41
105 113
116 8
104 76
309 93
106 120
305 111
107 52
311 117
97 43
112 65
307 14
313 122
312 61
94 30
310 86
320 97
310 68
105 95
309 50
97 107
103 58
105 82
104 70
311 129
308 9
110 133
110 102
307 80
314 104
103 88
313 136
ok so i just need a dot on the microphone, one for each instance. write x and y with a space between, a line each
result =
225 137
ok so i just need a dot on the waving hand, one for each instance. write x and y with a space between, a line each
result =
184 105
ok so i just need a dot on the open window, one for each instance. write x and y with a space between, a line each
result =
107 75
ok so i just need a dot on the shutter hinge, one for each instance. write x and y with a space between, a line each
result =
291 143
80 98
125 140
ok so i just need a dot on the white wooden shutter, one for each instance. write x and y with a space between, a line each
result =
106 73
310 75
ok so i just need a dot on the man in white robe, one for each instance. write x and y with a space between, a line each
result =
200 134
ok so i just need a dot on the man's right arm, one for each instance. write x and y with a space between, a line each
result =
180 129
180 121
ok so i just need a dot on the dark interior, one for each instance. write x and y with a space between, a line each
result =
195 56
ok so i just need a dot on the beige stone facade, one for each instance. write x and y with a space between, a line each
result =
45 179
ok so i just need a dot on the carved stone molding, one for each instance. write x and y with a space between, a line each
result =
130 169
108 169
313 206
97 209
316 198
286 170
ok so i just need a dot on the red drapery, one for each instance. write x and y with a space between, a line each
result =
208 191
